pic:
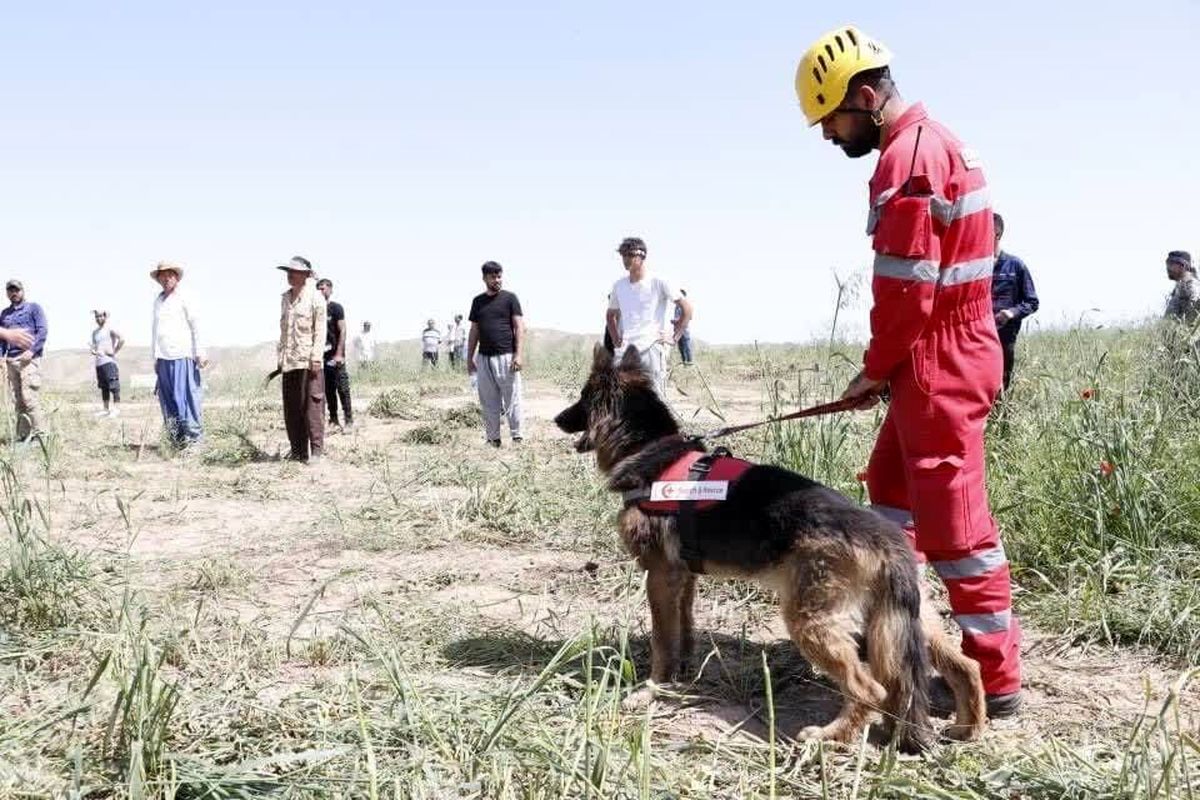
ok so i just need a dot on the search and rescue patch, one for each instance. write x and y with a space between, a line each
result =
688 490
970 158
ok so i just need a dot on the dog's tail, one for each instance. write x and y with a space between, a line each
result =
898 655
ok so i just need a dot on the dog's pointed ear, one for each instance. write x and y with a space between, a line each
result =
631 361
601 358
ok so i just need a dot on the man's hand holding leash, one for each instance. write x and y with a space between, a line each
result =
866 389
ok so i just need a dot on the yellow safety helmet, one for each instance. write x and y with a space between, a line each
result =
826 69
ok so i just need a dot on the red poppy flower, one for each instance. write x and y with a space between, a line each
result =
1106 468
1087 394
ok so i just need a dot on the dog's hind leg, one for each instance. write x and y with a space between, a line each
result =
961 674
826 640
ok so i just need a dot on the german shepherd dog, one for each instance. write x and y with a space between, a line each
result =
838 568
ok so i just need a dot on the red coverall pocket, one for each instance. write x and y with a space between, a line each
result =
924 365
905 227
941 505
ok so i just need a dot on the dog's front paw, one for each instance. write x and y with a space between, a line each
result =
963 733
640 699
837 732
811 733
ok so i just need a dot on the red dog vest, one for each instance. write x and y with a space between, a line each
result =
692 466
711 468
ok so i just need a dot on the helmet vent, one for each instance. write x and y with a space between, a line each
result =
829 50
817 74
850 36
820 99
821 61
841 45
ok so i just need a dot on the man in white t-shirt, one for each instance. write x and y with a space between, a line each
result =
364 347
431 340
639 313
105 345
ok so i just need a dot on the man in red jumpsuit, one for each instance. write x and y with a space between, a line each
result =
933 338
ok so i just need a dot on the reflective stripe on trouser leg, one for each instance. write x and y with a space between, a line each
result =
940 414
979 588
977 578
982 607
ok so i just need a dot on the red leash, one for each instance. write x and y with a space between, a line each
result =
846 404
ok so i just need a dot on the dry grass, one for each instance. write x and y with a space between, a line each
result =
424 617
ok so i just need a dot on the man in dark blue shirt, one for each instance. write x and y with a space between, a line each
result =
24 363
1013 299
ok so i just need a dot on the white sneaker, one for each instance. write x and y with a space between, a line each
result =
116 412
103 413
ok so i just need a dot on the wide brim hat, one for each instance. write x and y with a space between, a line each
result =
166 266
296 265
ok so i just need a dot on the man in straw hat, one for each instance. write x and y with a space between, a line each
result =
23 359
179 355
302 332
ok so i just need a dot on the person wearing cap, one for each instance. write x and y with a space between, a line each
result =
1184 303
933 341
337 378
498 330
431 340
179 355
23 360
1013 299
105 345
302 332
638 313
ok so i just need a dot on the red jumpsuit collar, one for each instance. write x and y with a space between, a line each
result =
911 116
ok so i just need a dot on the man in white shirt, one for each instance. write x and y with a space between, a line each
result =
105 345
179 356
431 339
640 308
364 347
458 342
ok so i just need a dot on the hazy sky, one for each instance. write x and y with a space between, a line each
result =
400 145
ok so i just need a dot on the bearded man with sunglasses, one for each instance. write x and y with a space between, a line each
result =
933 338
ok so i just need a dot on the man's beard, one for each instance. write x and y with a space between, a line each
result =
865 139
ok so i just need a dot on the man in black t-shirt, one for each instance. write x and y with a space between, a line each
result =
337 379
498 330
